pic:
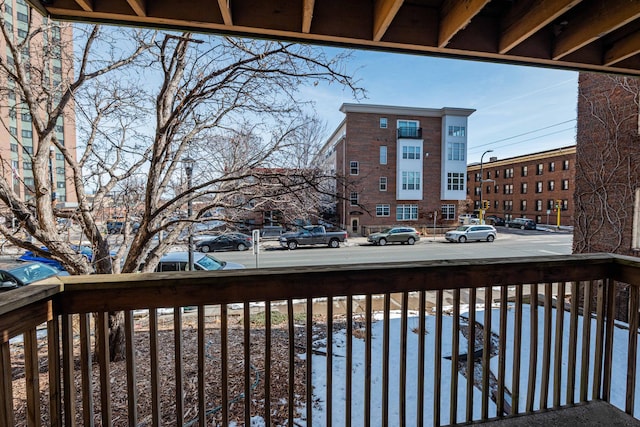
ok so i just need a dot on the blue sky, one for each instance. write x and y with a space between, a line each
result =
520 109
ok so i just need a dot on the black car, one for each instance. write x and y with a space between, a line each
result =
225 242
117 227
522 223
494 220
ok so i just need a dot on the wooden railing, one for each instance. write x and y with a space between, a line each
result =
398 355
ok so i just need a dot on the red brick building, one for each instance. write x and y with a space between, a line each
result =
529 186
397 165
608 165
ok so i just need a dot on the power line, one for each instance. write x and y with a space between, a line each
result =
531 139
523 134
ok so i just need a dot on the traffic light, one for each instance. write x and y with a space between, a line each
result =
485 204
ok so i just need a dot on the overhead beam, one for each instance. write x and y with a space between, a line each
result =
622 49
225 10
138 6
383 13
528 19
455 16
86 5
598 19
307 15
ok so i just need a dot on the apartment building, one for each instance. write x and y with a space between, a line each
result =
397 165
530 186
18 139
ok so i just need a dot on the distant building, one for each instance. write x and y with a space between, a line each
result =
530 186
18 140
397 165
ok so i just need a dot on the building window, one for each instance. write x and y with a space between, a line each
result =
456 151
523 205
22 17
410 180
508 189
59 170
27 166
540 169
552 185
523 188
448 212
353 199
59 156
538 219
60 184
383 123
551 204
496 204
565 165
508 205
565 184
14 148
411 152
477 177
408 129
455 181
406 212
524 171
383 154
497 174
539 187
508 173
477 191
27 133
354 168
27 149
538 205
552 166
383 210
565 205
383 183
26 117
457 131
497 189
488 189
13 130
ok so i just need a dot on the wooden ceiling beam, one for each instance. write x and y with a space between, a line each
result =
86 5
527 20
622 49
225 10
383 14
597 20
138 6
307 15
455 16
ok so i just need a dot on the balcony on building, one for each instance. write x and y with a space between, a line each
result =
409 133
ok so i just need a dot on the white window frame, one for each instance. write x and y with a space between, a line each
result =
455 181
456 151
354 165
407 212
410 180
411 152
383 210
383 154
354 198
383 183
383 123
448 212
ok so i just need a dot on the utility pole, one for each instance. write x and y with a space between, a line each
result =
481 182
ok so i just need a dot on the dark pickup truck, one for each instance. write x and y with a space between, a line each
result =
312 235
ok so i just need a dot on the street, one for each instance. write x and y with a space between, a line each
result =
510 243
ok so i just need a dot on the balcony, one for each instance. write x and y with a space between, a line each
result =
197 344
409 133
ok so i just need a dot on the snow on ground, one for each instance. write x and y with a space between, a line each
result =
619 371
358 375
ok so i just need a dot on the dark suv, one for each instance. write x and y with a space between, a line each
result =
522 223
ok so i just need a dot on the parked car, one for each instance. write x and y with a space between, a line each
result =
30 256
466 218
522 223
14 274
117 227
394 235
179 261
494 220
312 235
466 233
225 242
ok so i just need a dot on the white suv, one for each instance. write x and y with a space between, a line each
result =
466 233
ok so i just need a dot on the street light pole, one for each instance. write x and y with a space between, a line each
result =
52 153
188 168
481 182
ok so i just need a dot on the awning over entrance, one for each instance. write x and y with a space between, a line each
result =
599 35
